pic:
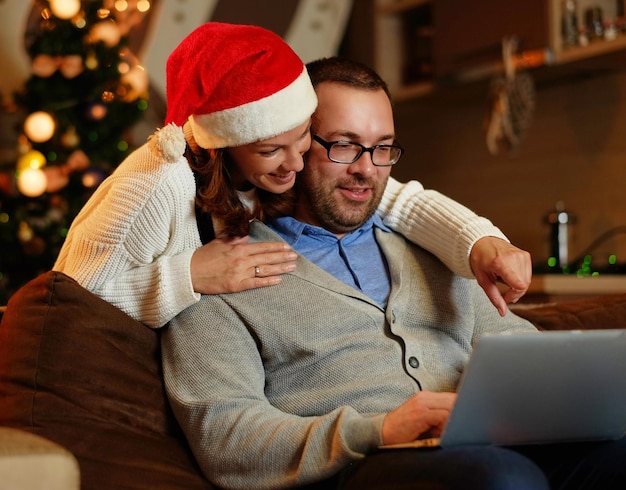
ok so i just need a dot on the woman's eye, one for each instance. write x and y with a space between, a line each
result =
269 153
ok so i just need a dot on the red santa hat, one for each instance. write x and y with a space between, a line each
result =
236 84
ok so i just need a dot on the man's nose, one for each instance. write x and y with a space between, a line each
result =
362 165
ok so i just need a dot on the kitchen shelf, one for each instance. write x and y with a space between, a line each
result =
556 284
462 42
558 288
595 48
404 34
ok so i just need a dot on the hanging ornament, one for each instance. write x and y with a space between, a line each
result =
39 126
108 96
44 65
55 214
71 66
6 187
136 82
93 178
91 61
23 145
97 111
25 232
64 9
58 203
70 138
56 178
32 182
127 60
107 32
31 159
511 103
79 20
78 160
31 243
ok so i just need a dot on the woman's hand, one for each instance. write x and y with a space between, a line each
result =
494 260
233 265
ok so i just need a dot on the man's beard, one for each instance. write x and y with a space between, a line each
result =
338 214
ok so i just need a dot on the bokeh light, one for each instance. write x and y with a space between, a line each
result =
65 9
32 182
32 159
39 126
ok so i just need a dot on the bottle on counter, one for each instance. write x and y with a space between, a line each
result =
560 222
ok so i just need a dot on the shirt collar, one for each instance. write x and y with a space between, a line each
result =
291 229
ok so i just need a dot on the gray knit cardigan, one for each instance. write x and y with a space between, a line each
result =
285 385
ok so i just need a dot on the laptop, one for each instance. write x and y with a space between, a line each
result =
531 388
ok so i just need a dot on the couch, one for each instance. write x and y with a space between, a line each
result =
85 379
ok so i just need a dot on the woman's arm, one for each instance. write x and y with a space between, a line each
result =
132 244
452 232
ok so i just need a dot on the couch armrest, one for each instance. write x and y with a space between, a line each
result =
597 312
30 461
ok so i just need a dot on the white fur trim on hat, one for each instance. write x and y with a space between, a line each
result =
257 120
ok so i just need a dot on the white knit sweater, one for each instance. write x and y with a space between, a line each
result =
132 242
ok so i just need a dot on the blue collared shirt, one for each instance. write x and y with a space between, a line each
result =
355 259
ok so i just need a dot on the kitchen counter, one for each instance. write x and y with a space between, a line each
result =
560 287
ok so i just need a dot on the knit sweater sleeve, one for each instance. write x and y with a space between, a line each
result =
215 380
435 222
132 242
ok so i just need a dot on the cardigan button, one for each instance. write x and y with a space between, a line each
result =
413 362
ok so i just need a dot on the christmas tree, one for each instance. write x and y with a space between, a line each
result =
85 92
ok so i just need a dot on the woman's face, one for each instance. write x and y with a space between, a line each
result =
270 164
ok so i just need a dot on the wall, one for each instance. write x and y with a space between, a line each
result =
574 151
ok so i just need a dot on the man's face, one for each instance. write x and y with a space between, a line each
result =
341 197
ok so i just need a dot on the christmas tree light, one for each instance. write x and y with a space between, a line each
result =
39 126
64 9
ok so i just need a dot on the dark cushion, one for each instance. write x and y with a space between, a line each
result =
592 313
82 373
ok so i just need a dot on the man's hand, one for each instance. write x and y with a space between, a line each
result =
423 415
494 260
233 265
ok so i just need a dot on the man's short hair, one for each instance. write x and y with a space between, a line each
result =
346 72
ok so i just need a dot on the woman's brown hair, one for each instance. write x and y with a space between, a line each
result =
217 196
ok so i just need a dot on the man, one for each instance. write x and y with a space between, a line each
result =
362 346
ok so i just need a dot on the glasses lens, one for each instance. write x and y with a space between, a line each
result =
386 155
344 152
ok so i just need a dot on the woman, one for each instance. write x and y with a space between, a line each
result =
239 107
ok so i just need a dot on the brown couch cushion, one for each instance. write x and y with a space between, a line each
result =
606 311
80 372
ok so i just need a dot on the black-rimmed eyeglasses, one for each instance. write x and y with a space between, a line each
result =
348 152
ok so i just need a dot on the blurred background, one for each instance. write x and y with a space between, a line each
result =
516 109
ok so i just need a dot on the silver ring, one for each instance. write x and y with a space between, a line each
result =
257 270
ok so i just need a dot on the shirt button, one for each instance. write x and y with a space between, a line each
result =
413 362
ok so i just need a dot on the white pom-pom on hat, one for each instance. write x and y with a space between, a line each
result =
169 142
